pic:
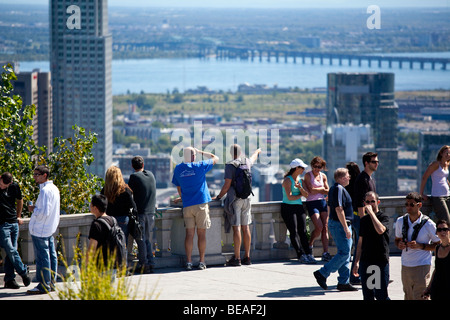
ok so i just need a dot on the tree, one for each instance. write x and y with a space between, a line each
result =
19 153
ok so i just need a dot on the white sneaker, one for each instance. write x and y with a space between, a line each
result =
189 266
202 266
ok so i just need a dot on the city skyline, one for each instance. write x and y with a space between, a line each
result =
322 4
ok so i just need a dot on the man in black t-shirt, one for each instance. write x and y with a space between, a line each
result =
363 184
11 204
372 255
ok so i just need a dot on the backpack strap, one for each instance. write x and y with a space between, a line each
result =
107 223
419 226
405 228
416 228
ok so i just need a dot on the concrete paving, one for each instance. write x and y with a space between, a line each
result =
262 281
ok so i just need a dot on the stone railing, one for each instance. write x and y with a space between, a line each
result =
269 234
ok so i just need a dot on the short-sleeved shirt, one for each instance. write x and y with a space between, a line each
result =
363 184
375 247
8 199
100 233
191 178
339 197
417 257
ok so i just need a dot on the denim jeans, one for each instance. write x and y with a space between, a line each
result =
381 292
9 233
341 261
46 261
145 248
122 221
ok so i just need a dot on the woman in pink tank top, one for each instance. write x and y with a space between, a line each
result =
317 187
438 170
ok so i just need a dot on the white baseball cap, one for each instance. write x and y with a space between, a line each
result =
298 163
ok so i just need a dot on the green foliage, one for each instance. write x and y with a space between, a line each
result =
19 153
68 168
17 148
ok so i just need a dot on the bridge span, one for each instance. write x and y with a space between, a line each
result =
234 52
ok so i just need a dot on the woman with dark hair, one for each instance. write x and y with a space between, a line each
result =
353 170
317 185
293 213
439 286
438 170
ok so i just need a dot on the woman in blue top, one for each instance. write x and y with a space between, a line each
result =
293 213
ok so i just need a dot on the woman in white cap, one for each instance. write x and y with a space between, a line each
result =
292 211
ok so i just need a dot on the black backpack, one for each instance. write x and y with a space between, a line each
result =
242 179
116 242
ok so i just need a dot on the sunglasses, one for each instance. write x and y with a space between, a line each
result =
442 229
412 205
369 201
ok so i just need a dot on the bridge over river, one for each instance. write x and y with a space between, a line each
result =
233 52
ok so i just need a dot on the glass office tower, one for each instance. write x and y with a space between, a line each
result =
367 99
81 56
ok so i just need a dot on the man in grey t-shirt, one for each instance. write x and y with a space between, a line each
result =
237 210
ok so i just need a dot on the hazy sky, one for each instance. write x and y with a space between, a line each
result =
264 3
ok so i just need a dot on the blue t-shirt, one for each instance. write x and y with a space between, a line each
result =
191 178
339 197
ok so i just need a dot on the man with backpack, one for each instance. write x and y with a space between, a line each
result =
105 234
237 209
413 233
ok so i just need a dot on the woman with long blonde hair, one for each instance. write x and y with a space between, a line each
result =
120 197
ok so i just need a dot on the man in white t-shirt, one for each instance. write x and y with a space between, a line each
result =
417 240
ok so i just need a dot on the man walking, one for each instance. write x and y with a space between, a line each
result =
190 179
415 235
238 210
42 226
372 256
363 184
341 215
143 184
11 204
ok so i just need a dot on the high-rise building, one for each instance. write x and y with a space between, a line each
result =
81 56
35 88
347 143
366 98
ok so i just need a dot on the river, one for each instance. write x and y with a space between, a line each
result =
161 75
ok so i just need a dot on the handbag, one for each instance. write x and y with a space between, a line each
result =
134 226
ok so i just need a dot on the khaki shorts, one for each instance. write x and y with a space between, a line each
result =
242 211
197 216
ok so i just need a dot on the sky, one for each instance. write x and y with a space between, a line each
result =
262 3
